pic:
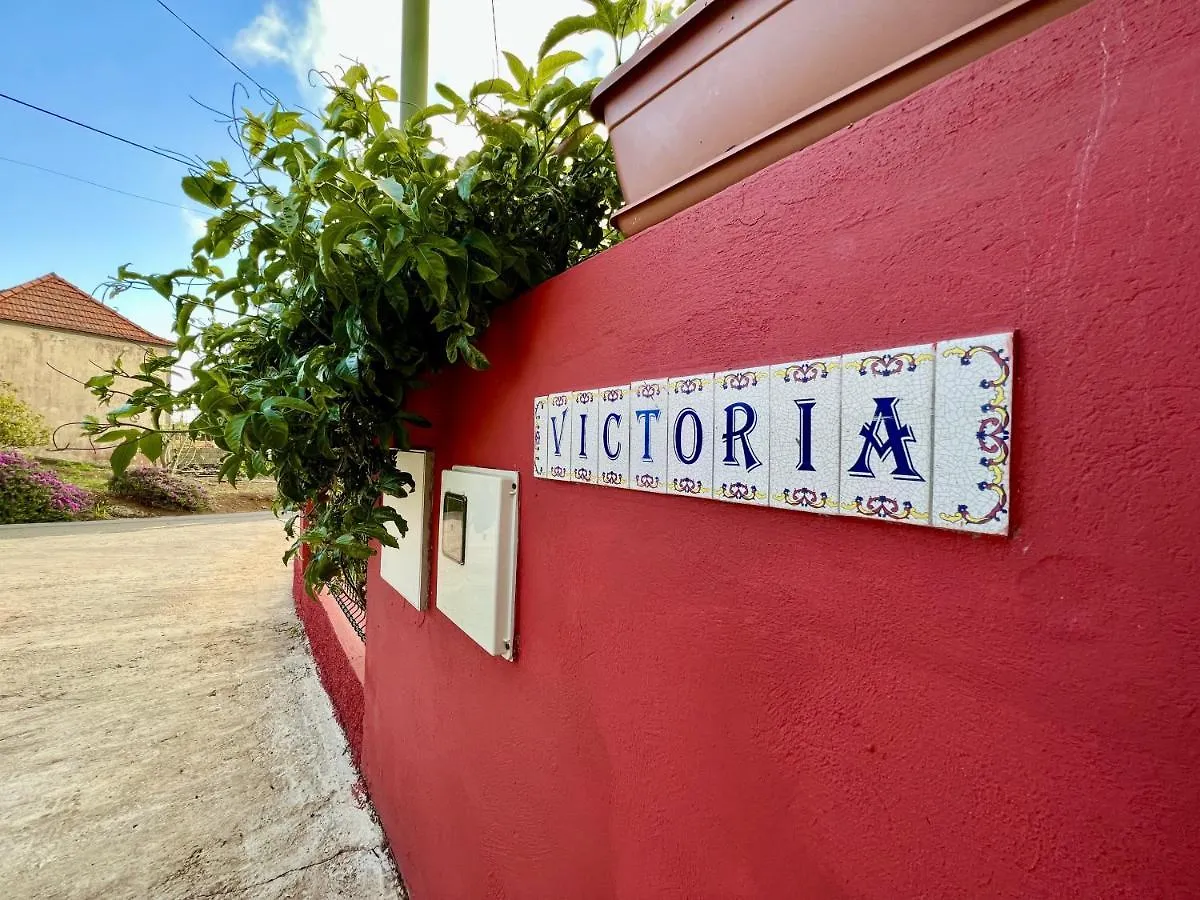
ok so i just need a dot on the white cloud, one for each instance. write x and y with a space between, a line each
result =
462 44
194 224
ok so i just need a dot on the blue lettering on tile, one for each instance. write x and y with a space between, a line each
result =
697 436
895 445
645 415
734 434
608 421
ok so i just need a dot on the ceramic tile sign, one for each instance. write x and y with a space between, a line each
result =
972 447
540 405
584 434
806 435
690 435
558 447
742 436
612 420
887 434
648 436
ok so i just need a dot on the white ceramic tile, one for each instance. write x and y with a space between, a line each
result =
613 421
585 434
973 433
742 435
558 437
540 405
887 434
648 436
690 435
806 435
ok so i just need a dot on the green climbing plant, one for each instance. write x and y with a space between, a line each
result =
348 259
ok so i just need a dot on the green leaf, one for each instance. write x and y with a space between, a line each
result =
466 181
122 456
551 65
564 28
449 95
491 86
235 428
519 72
289 403
431 266
151 445
275 434
116 434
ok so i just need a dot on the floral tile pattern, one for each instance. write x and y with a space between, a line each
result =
742 436
584 436
540 406
887 434
558 434
648 436
612 421
806 435
973 442
690 435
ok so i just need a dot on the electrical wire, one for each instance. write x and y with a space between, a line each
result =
269 94
171 155
96 184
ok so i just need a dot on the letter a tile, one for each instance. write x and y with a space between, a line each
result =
612 422
690 435
806 435
558 435
648 436
584 434
539 437
973 439
742 435
887 434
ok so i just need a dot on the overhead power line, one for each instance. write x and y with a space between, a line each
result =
174 157
96 184
271 95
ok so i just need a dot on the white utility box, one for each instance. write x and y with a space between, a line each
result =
406 568
477 555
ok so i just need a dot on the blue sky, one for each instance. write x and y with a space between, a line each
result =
130 67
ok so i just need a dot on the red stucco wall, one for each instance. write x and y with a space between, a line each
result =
723 702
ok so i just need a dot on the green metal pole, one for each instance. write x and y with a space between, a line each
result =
414 61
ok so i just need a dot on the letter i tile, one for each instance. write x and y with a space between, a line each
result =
648 436
742 435
806 435
612 467
973 439
584 434
690 435
887 434
558 435
539 437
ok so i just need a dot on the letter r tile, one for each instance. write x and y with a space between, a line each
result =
742 435
887 434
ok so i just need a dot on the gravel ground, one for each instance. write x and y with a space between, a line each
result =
162 730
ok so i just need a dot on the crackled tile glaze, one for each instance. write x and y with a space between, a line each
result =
612 420
690 435
973 433
584 436
887 434
648 435
558 437
806 437
742 436
540 405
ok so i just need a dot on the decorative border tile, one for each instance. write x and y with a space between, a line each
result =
558 434
973 446
612 457
741 437
890 390
648 436
806 435
539 436
690 399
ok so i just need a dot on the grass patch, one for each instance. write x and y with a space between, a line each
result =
90 476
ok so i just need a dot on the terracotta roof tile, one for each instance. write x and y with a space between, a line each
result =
53 302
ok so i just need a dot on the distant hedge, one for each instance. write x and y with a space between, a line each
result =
160 489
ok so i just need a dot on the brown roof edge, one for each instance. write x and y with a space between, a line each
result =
63 320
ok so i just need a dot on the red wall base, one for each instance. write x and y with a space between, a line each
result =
334 665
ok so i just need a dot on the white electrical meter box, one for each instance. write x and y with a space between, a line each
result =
477 555
406 568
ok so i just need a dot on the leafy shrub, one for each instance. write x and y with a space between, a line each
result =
161 489
30 493
20 426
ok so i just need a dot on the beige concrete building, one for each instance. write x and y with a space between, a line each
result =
53 336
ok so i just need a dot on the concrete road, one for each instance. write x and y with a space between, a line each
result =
162 730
